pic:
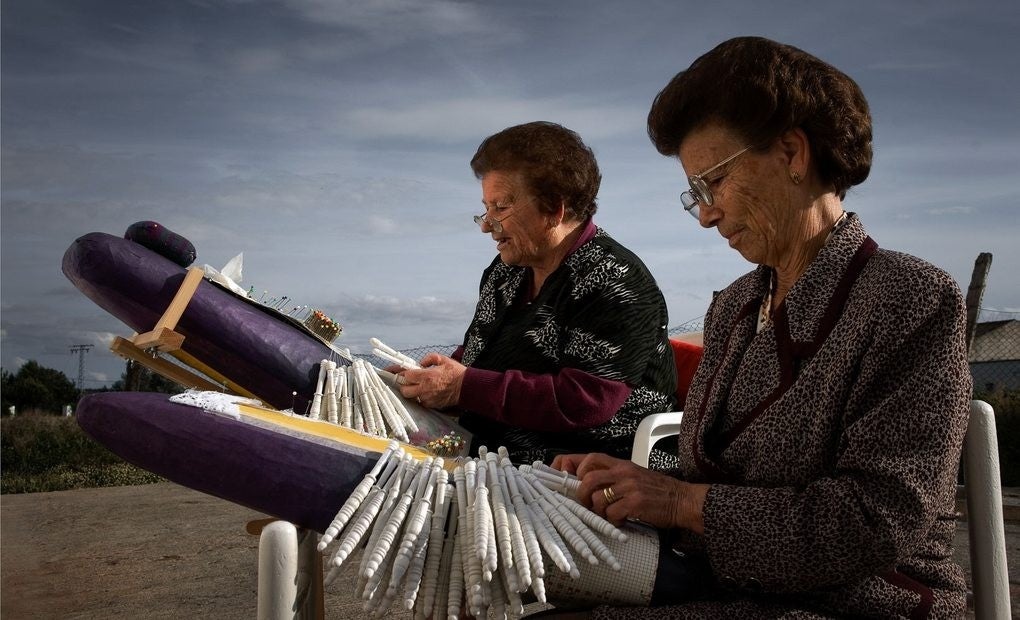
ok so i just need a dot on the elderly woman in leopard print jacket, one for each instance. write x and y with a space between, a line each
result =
821 436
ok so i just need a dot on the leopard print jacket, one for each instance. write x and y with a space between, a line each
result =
831 440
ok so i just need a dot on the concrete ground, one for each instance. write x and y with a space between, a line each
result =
165 551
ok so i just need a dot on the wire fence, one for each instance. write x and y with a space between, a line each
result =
416 353
694 325
995 353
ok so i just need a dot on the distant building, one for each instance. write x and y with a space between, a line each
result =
995 356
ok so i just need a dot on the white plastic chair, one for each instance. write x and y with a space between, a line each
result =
290 572
989 576
653 428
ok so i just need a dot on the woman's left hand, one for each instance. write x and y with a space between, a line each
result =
620 490
437 384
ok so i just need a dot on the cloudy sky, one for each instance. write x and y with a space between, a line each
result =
329 140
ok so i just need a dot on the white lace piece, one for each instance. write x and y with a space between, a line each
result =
216 402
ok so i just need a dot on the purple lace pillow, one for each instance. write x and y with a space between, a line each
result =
162 241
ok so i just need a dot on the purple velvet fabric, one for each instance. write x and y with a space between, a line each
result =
281 475
162 241
256 348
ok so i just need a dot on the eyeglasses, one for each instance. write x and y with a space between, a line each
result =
699 194
494 224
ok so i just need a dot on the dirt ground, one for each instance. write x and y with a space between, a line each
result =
152 551
165 551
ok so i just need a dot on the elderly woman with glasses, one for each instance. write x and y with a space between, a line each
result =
567 349
821 436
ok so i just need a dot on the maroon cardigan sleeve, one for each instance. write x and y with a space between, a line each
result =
567 400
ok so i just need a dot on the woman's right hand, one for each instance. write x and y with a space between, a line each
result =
436 384
636 493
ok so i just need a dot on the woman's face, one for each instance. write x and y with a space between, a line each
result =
526 236
752 203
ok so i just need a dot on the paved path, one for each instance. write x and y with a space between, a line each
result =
165 551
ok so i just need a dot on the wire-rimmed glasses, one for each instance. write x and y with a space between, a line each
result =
494 224
700 194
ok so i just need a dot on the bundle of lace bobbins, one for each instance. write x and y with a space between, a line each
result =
479 541
356 397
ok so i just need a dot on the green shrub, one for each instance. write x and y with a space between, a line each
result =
38 443
65 478
51 453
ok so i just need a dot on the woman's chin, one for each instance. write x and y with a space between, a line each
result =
508 257
749 254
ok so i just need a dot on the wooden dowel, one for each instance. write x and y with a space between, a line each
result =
163 336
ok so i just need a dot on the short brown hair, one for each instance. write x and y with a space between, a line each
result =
761 89
552 160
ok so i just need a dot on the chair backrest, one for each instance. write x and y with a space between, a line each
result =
985 528
687 352
653 428
687 355
989 575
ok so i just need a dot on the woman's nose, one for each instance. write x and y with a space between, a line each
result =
708 215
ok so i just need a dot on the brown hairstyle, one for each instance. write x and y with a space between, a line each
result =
553 162
760 89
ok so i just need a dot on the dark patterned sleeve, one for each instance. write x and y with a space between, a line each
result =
615 328
895 464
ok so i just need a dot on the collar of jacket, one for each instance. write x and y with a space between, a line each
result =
802 322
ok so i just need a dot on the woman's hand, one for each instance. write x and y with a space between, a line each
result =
620 490
437 384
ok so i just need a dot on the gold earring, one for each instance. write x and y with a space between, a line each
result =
795 177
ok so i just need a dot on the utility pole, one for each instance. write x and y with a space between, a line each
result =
975 291
81 350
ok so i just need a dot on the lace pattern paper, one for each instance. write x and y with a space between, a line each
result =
600 584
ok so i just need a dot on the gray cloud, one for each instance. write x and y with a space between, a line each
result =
404 19
464 119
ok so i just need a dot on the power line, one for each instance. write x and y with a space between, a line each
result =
81 350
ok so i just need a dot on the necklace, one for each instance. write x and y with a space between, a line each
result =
836 226
765 312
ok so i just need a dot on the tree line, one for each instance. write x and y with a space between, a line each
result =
36 387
